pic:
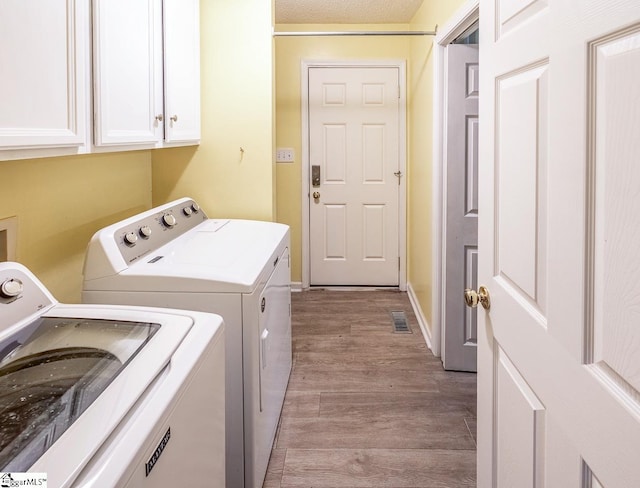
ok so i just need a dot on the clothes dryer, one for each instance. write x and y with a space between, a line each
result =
174 255
107 396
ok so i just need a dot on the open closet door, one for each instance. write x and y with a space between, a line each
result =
461 194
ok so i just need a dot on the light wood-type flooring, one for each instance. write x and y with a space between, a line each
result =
367 407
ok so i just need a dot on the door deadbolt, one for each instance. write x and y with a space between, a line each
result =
315 175
471 297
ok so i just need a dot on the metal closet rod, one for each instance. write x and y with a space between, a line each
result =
358 33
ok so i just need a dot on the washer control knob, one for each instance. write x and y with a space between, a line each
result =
130 238
169 220
195 207
11 288
145 231
187 211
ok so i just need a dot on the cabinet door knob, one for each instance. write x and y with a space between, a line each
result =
174 118
159 118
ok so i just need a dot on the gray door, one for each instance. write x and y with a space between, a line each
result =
461 208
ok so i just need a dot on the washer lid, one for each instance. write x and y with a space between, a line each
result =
69 381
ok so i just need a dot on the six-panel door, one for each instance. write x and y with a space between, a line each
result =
559 350
354 138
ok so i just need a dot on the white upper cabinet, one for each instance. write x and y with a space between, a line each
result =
146 59
146 76
44 77
182 70
127 70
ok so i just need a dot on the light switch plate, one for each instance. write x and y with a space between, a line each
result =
284 155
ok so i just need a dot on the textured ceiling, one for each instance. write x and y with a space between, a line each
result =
345 11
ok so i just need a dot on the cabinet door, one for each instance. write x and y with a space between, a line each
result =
182 70
127 72
43 81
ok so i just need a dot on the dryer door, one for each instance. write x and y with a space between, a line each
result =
275 339
274 335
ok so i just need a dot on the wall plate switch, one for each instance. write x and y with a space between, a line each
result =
284 155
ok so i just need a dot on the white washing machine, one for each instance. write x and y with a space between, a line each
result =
108 396
174 256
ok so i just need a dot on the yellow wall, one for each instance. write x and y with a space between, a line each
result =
237 112
420 208
290 51
61 202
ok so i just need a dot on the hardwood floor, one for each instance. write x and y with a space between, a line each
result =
367 407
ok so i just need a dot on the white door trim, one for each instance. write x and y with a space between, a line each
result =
402 156
459 22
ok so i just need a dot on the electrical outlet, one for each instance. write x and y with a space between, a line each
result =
284 155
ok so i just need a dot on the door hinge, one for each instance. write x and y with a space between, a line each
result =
398 263
399 91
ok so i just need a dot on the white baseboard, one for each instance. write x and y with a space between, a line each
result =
296 286
422 321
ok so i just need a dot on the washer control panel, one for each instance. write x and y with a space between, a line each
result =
11 288
138 237
21 294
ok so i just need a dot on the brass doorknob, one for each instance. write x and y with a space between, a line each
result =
471 297
316 195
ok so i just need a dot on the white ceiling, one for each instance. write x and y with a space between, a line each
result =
345 11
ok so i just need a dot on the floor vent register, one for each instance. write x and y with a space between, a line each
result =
400 324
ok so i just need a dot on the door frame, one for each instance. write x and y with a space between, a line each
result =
306 65
464 18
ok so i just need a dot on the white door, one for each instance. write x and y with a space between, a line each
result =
355 176
181 70
461 223
559 233
43 85
127 48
